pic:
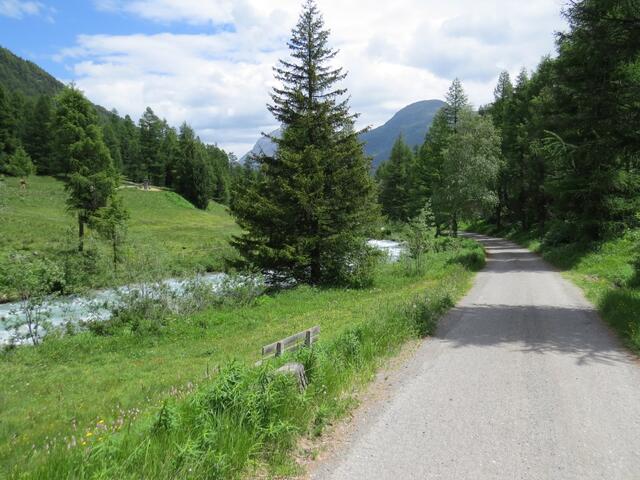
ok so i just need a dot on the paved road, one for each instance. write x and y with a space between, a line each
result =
523 381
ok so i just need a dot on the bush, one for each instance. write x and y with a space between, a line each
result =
560 233
355 269
19 164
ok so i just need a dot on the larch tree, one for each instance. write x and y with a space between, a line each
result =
456 102
91 178
307 214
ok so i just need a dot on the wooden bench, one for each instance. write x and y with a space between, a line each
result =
289 344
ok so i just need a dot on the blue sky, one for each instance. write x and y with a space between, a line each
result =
208 62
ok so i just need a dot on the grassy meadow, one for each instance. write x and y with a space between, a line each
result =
164 226
59 399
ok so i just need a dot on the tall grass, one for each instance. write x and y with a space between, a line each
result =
247 419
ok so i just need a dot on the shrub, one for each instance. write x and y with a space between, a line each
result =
19 164
34 279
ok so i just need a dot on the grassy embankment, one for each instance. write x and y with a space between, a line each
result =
605 271
89 406
163 226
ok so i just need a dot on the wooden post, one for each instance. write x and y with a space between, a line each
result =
278 349
307 338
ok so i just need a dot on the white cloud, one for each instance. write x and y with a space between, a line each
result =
19 9
395 52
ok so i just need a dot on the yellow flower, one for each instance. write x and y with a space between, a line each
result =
89 434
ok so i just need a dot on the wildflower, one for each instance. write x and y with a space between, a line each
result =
89 434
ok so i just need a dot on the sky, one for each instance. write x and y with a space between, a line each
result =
209 62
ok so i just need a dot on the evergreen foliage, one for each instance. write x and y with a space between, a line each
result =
38 134
83 155
19 164
570 135
307 214
396 183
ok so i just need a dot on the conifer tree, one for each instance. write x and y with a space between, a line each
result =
81 152
8 140
456 102
194 173
38 137
307 214
396 183
130 149
150 141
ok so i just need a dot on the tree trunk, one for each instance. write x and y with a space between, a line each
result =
454 225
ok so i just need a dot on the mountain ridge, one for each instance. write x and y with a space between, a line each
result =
412 122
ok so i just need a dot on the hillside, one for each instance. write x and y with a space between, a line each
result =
19 75
412 122
164 226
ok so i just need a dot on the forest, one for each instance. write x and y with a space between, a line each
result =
556 152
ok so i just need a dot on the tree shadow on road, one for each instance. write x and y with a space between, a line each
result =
574 331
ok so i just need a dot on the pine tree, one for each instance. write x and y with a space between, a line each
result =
503 96
130 149
195 175
38 137
456 102
307 214
396 183
150 141
81 152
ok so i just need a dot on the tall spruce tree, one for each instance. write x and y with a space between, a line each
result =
81 151
307 214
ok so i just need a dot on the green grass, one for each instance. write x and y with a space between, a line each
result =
69 385
605 271
162 222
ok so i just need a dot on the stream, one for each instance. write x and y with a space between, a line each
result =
93 307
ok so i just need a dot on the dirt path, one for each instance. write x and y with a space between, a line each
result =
523 381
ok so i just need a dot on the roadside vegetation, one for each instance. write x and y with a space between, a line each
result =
179 398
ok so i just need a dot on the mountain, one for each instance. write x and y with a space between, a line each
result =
264 146
412 122
18 75
25 77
